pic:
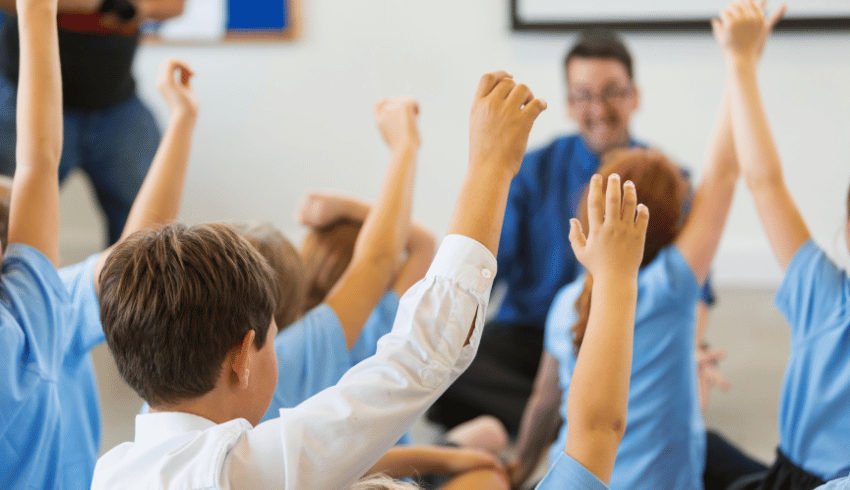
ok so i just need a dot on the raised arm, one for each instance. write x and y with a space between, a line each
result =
599 390
158 200
385 230
34 209
320 209
81 6
736 33
501 119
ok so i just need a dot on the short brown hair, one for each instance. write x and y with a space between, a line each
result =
326 252
290 281
174 302
601 44
661 186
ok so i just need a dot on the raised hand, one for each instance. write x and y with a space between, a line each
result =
177 91
617 229
318 209
742 29
501 118
397 119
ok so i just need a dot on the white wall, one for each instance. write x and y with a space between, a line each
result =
277 119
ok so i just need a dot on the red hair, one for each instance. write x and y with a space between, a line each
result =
660 186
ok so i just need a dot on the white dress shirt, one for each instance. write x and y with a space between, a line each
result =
329 441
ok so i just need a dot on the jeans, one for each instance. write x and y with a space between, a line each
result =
113 146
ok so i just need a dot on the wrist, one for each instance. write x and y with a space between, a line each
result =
405 146
740 62
184 116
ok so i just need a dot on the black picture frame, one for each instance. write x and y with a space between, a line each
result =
700 24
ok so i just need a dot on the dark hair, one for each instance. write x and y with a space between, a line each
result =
601 43
290 280
661 187
175 301
326 252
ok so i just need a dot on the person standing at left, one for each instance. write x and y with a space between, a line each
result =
108 132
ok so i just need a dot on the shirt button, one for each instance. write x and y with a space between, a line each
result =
486 274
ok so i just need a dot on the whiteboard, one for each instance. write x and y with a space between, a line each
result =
661 13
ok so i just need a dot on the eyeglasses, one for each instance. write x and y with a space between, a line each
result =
608 95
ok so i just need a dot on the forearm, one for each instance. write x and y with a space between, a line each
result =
80 6
537 431
411 461
755 146
158 200
757 153
597 405
34 211
480 208
386 227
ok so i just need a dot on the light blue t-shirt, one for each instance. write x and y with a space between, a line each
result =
839 484
34 311
568 474
77 383
814 407
664 442
312 354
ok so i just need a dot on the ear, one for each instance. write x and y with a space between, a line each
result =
242 362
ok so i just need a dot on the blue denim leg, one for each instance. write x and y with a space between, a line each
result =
119 144
71 137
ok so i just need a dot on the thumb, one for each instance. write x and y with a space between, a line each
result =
577 238
716 28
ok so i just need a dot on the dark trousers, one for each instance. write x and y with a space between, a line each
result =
782 475
725 464
498 382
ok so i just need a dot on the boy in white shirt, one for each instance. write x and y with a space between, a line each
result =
188 316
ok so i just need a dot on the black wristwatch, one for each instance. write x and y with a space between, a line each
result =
124 9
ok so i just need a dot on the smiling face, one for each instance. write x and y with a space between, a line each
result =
601 99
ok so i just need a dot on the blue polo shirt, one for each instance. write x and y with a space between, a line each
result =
312 354
78 386
535 257
34 313
664 442
814 407
840 484
568 473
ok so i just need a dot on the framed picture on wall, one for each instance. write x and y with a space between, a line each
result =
211 21
663 15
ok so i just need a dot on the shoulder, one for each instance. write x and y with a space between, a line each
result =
548 155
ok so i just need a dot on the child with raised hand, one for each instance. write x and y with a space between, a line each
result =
201 355
665 444
814 420
34 305
612 251
597 403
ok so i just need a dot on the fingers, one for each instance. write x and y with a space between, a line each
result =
577 238
629 201
535 107
642 220
489 81
717 29
503 88
613 199
520 95
595 202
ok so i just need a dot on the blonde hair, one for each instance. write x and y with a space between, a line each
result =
383 482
